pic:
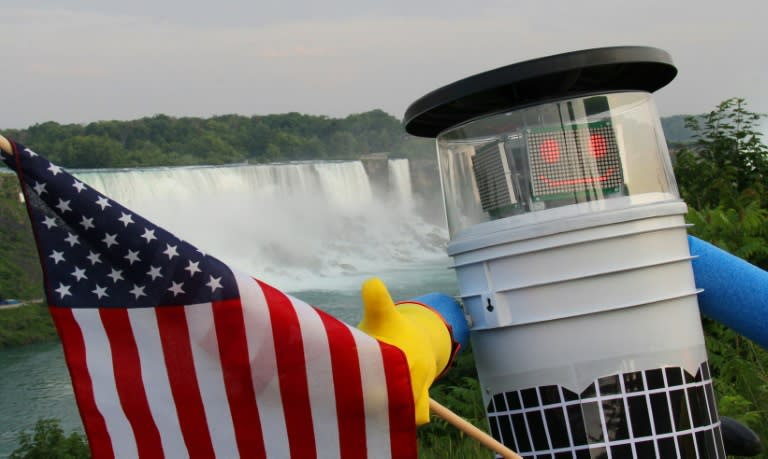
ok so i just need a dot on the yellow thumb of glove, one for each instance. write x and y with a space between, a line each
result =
417 330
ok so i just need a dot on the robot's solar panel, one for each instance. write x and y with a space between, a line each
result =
574 159
492 177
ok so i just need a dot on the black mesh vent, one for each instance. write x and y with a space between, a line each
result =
658 413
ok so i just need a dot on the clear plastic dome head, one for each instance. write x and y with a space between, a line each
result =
556 159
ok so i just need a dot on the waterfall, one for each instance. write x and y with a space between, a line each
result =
400 181
298 226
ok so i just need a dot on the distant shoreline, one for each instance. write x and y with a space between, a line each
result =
26 324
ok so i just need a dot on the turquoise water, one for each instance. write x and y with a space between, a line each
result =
34 382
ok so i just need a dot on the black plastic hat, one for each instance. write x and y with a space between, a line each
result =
574 74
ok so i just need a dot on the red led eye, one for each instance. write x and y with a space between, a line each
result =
550 151
597 145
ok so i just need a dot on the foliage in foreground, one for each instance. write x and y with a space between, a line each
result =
48 441
722 176
459 391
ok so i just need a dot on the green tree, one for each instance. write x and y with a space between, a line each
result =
722 178
48 441
89 151
20 273
727 158
343 144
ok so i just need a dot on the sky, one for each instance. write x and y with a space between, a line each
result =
78 61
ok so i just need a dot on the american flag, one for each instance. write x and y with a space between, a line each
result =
174 354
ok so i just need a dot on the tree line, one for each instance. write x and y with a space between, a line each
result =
163 140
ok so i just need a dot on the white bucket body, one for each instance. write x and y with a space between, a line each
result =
587 335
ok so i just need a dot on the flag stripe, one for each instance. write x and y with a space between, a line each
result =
177 353
375 394
347 385
261 353
99 360
155 377
233 349
74 353
289 350
207 361
320 374
401 403
127 370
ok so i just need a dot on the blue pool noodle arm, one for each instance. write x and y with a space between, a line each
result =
735 291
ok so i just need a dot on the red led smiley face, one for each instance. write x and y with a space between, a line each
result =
571 160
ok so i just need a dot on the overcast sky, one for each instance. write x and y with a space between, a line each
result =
88 60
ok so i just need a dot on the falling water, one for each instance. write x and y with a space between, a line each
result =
400 181
299 226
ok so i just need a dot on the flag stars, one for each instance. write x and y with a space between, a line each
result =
116 275
87 223
72 239
31 153
79 274
137 291
176 288
126 218
193 268
57 256
63 206
214 283
63 290
79 186
103 202
50 222
110 240
40 188
170 250
149 235
154 272
93 258
55 170
100 291
132 256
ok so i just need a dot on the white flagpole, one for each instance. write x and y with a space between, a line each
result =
463 425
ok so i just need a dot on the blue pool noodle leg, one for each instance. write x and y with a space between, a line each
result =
735 291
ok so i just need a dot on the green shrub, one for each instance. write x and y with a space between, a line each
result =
48 441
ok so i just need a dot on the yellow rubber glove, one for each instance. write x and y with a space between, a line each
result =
417 330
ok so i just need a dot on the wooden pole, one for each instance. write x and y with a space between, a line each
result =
5 145
463 425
